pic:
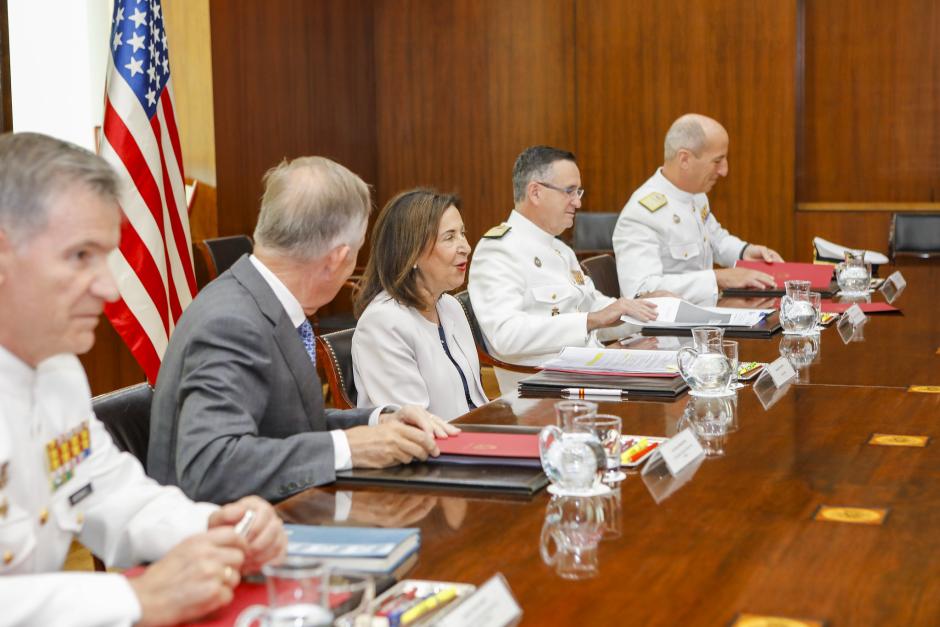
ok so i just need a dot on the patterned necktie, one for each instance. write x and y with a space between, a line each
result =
306 334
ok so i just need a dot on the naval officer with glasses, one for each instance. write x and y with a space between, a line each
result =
528 291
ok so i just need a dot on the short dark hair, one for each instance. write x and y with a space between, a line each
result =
533 163
34 168
405 228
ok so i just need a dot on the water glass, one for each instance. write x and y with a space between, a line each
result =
607 428
567 411
729 349
298 596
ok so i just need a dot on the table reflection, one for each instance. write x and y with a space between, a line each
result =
572 530
711 420
801 351
373 509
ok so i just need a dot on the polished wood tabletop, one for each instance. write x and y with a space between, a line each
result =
741 532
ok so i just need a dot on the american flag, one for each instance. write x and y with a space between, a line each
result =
153 265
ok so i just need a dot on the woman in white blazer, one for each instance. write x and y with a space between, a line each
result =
413 345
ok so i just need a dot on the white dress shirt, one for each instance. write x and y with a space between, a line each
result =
343 456
672 247
398 358
106 501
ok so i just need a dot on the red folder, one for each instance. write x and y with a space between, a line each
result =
820 277
830 307
491 445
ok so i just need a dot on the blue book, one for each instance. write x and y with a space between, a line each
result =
367 549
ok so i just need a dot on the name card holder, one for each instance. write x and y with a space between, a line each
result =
850 324
677 452
773 383
491 604
893 286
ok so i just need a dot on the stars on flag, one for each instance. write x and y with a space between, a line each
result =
139 50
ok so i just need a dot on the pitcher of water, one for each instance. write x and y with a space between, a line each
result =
574 461
853 275
798 315
705 368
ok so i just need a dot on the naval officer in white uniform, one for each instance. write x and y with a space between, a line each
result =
61 476
528 291
667 237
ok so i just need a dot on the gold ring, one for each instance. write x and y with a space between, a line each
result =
228 575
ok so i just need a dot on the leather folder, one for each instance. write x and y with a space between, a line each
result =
764 329
498 478
552 382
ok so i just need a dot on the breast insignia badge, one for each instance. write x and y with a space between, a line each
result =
538 262
578 277
654 202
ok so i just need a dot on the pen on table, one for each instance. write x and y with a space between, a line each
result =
244 525
582 392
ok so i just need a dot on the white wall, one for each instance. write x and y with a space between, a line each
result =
58 61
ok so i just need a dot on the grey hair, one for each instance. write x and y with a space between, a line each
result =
686 132
310 205
34 168
534 163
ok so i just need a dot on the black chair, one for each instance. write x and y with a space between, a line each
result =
593 233
334 354
603 271
219 253
915 235
484 355
125 414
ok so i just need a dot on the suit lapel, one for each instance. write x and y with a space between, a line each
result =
288 341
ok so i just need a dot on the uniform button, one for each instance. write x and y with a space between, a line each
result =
80 518
43 516
685 255
7 557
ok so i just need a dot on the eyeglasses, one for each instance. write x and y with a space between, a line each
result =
573 192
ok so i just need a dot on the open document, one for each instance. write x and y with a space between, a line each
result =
828 251
614 362
675 312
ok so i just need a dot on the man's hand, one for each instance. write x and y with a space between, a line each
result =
266 540
755 252
422 419
743 278
609 316
389 509
196 577
388 444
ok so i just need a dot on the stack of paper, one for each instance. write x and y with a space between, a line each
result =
605 361
827 251
675 312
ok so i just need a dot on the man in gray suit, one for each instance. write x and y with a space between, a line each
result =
238 407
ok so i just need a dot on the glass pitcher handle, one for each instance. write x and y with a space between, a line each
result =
251 615
548 436
685 350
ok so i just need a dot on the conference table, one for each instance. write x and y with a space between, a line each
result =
801 517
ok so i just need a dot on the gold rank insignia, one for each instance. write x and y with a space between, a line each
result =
4 508
578 277
497 231
704 212
4 474
654 202
65 452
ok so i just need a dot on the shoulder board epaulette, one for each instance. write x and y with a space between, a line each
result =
497 231
654 201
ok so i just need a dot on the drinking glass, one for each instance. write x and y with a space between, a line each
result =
729 349
567 411
607 428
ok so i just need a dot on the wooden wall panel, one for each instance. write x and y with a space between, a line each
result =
462 87
642 64
872 102
290 78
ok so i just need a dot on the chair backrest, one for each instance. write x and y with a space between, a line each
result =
484 355
337 315
219 253
603 271
594 231
915 234
126 415
334 352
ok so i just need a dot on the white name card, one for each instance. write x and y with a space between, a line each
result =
491 604
781 371
855 315
679 451
898 279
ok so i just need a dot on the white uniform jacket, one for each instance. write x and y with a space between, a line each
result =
673 246
530 295
398 358
95 493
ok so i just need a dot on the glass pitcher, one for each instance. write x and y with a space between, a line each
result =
854 275
574 461
798 315
706 369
